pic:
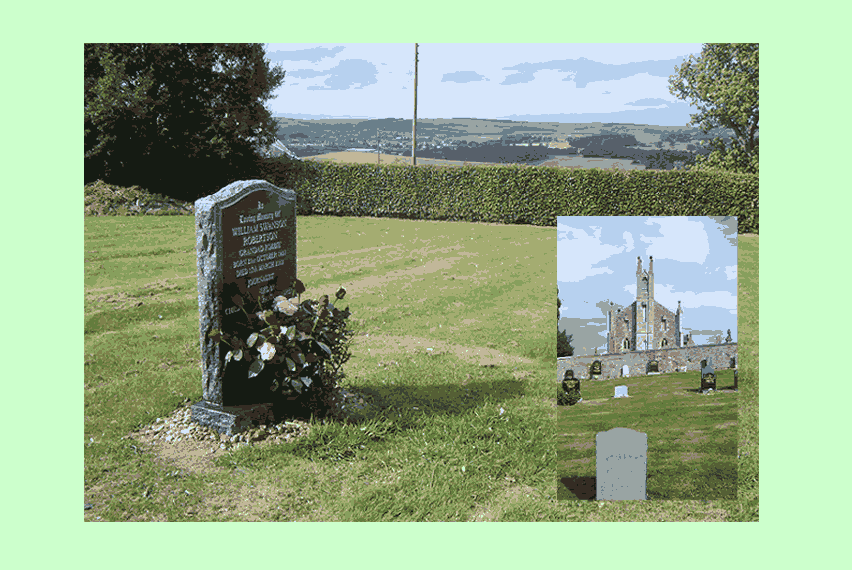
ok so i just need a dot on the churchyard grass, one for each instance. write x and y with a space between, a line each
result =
458 440
443 451
692 437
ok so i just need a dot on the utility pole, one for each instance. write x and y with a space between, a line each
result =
414 122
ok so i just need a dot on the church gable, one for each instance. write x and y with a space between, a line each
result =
644 324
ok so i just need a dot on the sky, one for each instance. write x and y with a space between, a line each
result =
566 83
695 262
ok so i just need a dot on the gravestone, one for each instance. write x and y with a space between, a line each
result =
621 465
595 370
708 378
621 392
653 367
625 370
571 387
245 240
736 380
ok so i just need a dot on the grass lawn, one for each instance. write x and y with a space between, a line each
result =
454 338
454 326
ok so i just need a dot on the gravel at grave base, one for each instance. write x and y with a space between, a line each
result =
185 441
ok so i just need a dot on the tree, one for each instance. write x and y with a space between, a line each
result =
563 344
563 341
160 113
725 79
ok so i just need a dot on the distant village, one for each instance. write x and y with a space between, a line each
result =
652 146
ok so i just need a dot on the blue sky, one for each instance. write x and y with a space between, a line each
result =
567 83
695 262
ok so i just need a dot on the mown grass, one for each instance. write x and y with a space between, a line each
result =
457 441
692 437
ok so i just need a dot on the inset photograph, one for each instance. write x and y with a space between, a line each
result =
647 377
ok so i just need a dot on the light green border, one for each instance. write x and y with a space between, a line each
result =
43 239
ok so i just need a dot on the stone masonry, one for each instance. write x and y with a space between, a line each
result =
670 360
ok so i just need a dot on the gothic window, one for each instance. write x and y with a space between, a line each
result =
665 324
625 344
663 343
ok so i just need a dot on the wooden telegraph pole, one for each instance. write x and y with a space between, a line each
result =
414 122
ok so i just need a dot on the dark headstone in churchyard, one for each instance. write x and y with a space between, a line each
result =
621 465
245 240
653 366
595 369
708 378
571 388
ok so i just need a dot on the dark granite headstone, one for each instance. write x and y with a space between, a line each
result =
245 240
653 366
595 369
708 378
571 386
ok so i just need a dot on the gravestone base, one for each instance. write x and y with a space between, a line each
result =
654 373
231 420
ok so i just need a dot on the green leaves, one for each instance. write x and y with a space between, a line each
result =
725 79
177 105
287 348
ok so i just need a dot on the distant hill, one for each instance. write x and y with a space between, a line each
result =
490 140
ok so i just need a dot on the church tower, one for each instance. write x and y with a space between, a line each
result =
644 307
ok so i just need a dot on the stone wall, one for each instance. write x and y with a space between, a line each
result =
670 360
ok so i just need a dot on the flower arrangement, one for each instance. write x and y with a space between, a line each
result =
297 346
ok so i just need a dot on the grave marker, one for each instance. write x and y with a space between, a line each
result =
595 369
653 367
708 378
245 240
625 370
621 465
571 387
621 392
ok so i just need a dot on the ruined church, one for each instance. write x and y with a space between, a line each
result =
645 324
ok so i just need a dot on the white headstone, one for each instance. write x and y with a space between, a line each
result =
621 464
621 392
625 371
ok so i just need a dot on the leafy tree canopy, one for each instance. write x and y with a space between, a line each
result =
158 110
724 81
